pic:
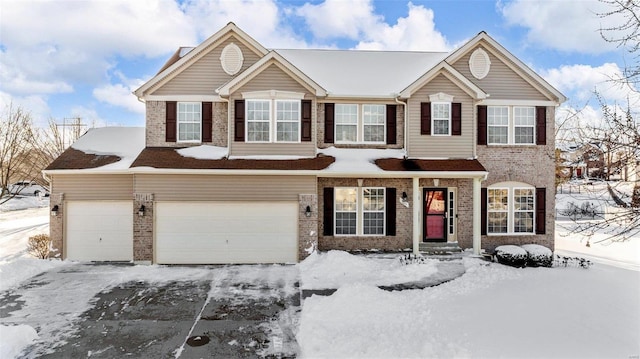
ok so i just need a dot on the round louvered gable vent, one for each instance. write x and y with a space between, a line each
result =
479 64
231 59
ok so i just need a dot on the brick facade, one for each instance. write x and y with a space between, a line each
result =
307 226
531 164
401 241
156 132
56 225
143 228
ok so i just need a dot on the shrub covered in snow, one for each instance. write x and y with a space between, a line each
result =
511 255
538 256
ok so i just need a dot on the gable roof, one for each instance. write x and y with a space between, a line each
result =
181 59
451 73
355 73
255 69
513 62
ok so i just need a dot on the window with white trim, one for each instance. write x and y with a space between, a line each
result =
359 211
511 125
189 121
272 120
441 118
360 123
510 208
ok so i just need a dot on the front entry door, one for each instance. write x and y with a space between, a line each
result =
435 215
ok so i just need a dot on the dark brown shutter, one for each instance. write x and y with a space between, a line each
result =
483 211
541 210
390 208
170 121
482 125
541 125
391 125
329 114
328 211
207 121
305 134
456 119
425 118
238 122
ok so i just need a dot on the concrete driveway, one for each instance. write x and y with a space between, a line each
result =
107 311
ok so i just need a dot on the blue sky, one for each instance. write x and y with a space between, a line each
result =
83 58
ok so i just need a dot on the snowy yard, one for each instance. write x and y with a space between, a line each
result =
490 310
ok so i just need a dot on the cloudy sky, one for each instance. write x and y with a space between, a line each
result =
69 58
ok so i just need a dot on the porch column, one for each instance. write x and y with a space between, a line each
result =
416 215
476 216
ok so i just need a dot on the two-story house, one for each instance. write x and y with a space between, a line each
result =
252 155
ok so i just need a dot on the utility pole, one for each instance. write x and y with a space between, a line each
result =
76 128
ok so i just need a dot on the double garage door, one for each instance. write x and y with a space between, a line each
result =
186 232
226 232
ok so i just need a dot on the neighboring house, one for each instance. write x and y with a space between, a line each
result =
252 155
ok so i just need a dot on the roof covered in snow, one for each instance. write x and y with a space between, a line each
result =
352 73
105 148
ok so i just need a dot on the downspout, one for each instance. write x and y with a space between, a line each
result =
405 144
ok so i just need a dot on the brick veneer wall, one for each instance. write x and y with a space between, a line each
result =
531 164
403 238
143 228
56 225
156 132
307 226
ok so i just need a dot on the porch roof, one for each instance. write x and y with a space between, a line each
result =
430 165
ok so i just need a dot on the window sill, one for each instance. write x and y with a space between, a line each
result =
511 234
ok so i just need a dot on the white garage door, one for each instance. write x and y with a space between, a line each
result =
100 231
226 232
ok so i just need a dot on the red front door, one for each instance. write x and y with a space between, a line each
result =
435 215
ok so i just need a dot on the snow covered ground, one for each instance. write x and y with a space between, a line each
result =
490 311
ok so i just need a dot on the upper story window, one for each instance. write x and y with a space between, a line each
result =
273 116
360 123
189 118
441 118
511 125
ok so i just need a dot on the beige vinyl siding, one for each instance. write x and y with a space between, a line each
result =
224 187
273 78
426 146
501 82
206 74
81 187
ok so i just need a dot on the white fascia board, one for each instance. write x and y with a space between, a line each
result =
186 98
498 102
197 51
318 173
255 69
449 72
521 66
331 97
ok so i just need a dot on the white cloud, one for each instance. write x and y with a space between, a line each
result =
562 25
36 105
579 82
339 18
358 20
120 94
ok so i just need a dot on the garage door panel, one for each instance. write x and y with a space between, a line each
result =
99 231
226 232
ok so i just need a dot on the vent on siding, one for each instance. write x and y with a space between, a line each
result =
479 64
231 59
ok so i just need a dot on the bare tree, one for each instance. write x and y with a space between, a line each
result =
625 34
16 143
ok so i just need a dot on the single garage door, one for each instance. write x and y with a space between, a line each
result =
226 232
99 231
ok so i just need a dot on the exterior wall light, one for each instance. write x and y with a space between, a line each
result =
54 210
404 196
141 211
307 211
